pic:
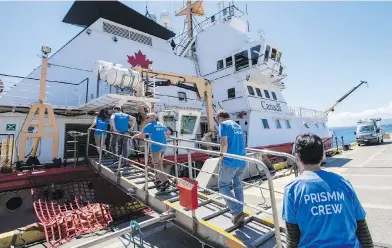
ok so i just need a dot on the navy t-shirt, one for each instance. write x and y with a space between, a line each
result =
235 140
157 132
325 207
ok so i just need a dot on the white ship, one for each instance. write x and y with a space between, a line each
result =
246 76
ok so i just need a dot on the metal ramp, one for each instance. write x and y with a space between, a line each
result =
116 100
211 222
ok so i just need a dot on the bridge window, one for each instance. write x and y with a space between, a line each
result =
231 93
169 122
273 95
229 61
273 53
280 70
324 125
266 93
306 125
288 125
265 123
251 91
278 56
316 124
219 65
241 60
258 91
267 53
255 54
182 96
277 124
188 123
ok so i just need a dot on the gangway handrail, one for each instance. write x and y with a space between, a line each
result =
127 230
216 174
148 142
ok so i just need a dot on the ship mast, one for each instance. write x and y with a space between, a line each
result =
189 11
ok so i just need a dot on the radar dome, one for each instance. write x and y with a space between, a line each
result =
152 16
165 18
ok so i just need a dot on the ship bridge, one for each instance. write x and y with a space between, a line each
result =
210 221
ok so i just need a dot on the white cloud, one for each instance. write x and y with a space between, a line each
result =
351 118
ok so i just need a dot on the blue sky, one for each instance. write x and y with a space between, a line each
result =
328 47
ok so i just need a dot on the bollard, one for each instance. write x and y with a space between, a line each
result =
342 141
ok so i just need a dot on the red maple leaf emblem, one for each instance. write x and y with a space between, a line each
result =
139 59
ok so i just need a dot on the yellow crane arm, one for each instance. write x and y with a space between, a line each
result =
202 87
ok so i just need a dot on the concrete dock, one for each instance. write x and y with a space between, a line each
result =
368 168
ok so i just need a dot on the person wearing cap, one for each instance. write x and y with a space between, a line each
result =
157 132
119 123
321 208
232 170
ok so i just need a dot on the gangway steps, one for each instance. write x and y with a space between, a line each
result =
213 217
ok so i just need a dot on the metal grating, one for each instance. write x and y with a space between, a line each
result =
109 28
140 38
112 29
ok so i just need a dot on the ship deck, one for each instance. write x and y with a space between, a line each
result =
368 168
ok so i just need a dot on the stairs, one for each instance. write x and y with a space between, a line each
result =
211 222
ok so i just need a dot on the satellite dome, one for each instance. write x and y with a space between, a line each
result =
165 18
152 16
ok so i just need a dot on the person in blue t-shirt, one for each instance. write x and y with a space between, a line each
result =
321 208
101 123
157 132
119 123
232 170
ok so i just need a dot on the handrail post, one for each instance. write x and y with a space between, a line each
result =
274 213
190 171
88 141
100 153
146 148
175 150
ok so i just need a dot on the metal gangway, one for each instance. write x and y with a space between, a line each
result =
211 222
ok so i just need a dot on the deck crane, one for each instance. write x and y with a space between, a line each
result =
200 85
332 108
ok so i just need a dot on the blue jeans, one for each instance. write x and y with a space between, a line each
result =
226 175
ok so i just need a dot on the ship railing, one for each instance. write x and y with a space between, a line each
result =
308 113
148 143
74 94
223 15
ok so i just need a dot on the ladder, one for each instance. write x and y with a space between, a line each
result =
211 221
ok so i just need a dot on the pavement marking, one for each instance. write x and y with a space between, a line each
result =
377 206
372 157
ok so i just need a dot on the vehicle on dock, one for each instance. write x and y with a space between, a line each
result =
369 132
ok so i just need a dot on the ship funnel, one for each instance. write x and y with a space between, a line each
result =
117 75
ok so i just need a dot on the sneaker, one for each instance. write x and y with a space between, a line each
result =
239 219
163 187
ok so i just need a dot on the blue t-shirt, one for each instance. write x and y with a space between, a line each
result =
325 207
157 131
101 124
235 140
121 121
